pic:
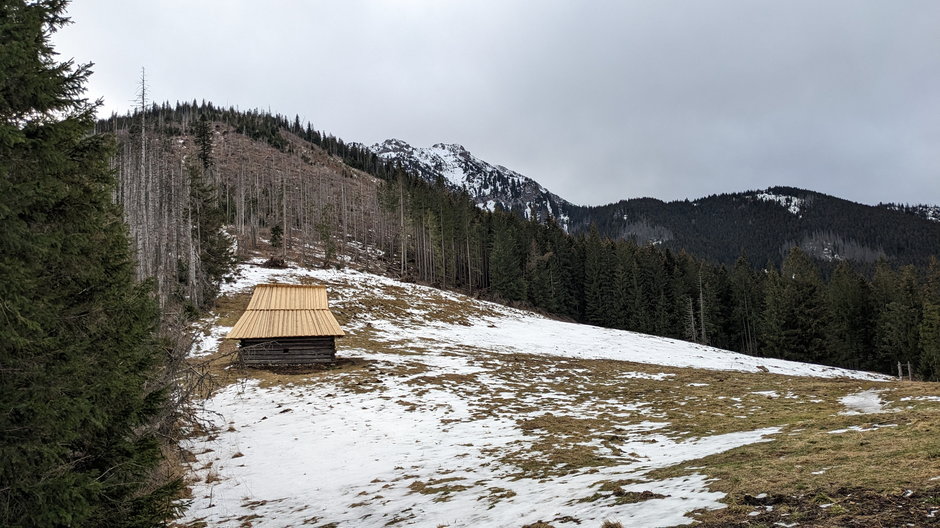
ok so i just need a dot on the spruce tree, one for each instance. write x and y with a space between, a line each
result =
627 296
774 318
569 272
214 252
930 324
746 299
850 326
795 316
277 236
930 341
76 332
542 278
897 323
597 310
506 276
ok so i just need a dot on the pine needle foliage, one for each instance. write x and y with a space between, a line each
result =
77 345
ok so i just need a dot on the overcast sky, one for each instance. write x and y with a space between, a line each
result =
596 100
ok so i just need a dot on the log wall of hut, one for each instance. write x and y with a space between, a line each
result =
288 350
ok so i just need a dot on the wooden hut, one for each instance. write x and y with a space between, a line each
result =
287 325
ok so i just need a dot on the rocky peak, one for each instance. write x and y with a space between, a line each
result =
490 186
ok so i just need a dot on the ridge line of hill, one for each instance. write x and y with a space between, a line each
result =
764 224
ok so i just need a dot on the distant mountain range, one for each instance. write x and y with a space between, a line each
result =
762 224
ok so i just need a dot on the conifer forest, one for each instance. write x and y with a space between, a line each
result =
118 232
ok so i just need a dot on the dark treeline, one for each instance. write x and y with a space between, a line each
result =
870 316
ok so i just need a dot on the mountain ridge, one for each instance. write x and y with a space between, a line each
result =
762 223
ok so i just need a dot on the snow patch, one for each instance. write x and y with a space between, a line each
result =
297 453
791 203
207 342
861 429
769 394
921 398
865 402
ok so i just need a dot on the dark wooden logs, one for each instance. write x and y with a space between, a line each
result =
288 351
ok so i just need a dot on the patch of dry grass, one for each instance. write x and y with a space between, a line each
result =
230 307
807 456
443 488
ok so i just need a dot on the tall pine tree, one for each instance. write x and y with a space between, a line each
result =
930 324
76 332
506 276
849 335
597 291
795 317
746 302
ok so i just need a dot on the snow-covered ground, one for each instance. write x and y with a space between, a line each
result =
444 425
321 455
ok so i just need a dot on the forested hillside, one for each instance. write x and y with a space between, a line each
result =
330 202
925 211
765 224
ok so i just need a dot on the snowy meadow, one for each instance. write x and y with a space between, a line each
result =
449 411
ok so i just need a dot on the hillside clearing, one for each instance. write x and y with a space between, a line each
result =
449 411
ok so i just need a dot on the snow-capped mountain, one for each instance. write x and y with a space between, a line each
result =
490 186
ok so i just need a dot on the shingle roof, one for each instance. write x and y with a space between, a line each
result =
286 310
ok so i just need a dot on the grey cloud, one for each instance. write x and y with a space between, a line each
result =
596 100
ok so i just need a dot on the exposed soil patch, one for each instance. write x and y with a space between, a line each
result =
842 508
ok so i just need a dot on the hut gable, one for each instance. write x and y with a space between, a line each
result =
287 324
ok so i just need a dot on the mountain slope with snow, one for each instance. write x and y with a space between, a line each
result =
489 186
449 411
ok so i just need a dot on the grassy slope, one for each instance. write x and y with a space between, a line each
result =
809 474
